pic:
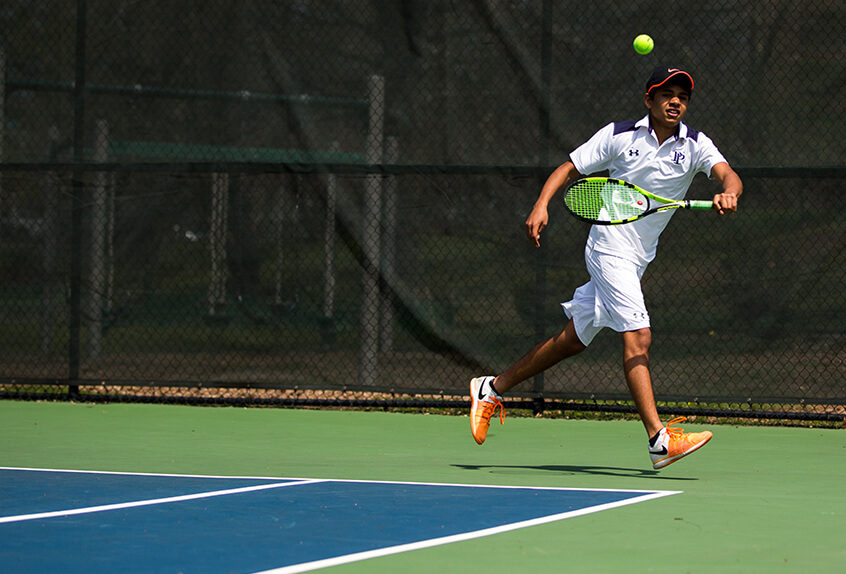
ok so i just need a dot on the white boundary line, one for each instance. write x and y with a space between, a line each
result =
358 556
150 502
501 486
122 473
352 480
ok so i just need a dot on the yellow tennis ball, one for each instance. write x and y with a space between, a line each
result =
643 44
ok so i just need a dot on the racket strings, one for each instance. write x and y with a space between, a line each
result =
605 201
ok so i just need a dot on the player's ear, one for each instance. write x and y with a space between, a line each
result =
647 100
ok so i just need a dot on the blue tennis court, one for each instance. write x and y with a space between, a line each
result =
75 521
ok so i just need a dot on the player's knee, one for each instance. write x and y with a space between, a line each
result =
637 343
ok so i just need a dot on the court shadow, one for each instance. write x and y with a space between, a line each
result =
576 469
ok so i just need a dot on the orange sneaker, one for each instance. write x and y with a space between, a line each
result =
484 401
673 443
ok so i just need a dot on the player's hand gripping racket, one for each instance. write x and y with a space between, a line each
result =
608 201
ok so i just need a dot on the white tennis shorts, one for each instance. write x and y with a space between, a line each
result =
612 298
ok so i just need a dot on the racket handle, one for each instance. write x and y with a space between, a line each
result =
699 204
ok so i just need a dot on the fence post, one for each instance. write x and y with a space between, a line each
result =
50 289
77 192
278 219
217 242
329 239
543 161
389 250
99 226
108 296
371 222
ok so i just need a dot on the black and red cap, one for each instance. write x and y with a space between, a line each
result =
663 76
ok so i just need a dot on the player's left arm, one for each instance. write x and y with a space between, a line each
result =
726 202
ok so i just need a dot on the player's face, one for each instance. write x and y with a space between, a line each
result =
667 105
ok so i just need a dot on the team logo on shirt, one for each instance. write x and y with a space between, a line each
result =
678 157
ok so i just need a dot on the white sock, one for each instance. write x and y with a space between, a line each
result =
491 391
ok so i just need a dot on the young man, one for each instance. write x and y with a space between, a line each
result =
658 153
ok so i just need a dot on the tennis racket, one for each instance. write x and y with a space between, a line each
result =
607 201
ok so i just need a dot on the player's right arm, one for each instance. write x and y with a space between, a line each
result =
726 202
539 217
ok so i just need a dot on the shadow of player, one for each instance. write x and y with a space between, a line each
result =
578 469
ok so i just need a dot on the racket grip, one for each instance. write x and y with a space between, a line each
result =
699 204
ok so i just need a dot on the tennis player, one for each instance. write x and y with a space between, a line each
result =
662 155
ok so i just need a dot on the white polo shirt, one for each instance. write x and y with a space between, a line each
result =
630 151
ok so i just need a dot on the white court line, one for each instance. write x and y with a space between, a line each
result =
124 473
499 486
351 480
355 557
150 502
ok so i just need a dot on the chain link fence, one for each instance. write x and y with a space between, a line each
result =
321 202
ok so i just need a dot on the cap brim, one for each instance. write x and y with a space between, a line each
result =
687 78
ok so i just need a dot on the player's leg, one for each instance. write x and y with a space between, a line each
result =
666 444
543 356
636 368
486 392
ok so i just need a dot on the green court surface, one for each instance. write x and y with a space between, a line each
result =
756 499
